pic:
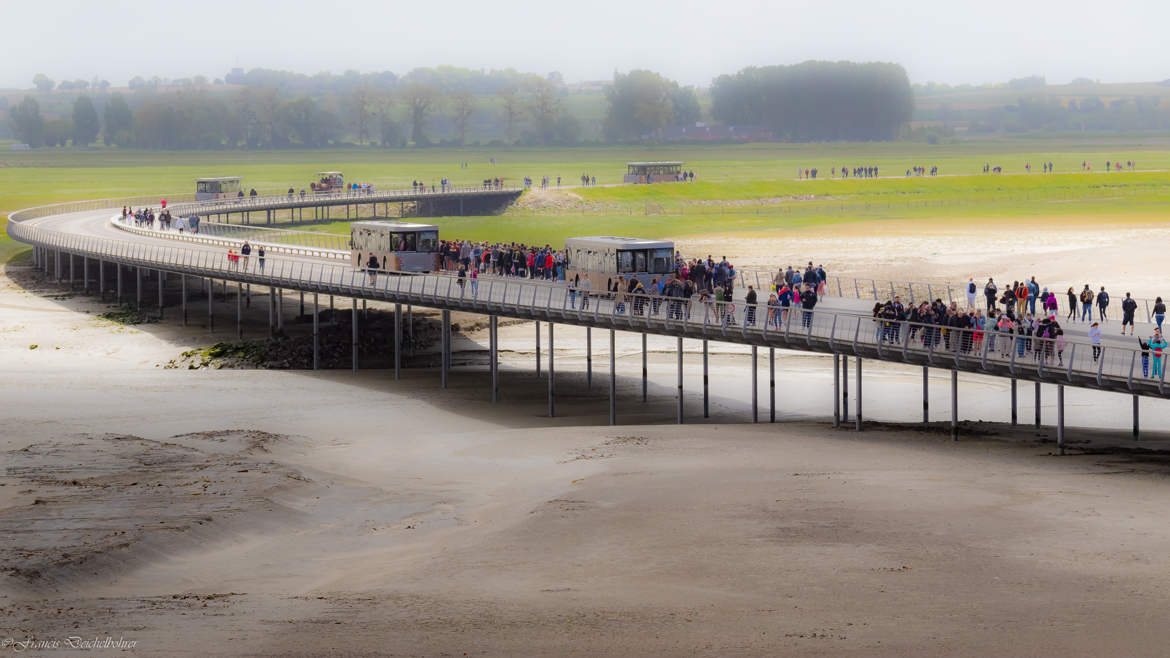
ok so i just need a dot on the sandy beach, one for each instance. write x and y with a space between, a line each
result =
275 512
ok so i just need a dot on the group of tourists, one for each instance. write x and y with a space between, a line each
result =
514 259
922 171
858 172
241 258
586 179
1024 296
147 217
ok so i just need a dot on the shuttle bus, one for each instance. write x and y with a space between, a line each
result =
601 259
217 188
397 246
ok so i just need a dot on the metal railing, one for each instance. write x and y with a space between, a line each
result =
317 245
1071 362
252 203
914 292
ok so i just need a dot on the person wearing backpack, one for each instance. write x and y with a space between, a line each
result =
1157 344
971 290
1128 308
1102 304
990 291
1086 303
1033 292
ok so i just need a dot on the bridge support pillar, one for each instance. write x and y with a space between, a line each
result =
248 296
925 395
317 338
858 414
210 312
183 296
771 384
118 290
71 270
589 357
1014 406
954 405
333 316
445 356
137 287
644 370
494 355
836 390
85 273
101 279
1135 418
302 313
844 388
161 290
1060 417
1037 404
612 380
354 344
271 312
280 309
706 396
57 264
755 385
397 336
680 376
239 311
552 388
538 348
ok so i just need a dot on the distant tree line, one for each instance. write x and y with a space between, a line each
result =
817 101
267 109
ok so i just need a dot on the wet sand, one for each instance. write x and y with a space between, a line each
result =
299 513
1058 251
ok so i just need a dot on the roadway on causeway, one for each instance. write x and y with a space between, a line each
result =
96 223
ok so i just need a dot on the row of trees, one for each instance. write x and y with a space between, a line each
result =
32 129
817 101
1056 113
261 117
274 109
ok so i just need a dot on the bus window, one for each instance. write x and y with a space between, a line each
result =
662 261
397 242
410 242
625 262
640 261
428 241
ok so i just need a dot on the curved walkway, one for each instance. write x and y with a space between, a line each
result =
64 235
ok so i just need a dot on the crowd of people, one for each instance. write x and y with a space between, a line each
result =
1021 317
922 171
846 172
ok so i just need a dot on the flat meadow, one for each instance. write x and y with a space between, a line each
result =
744 189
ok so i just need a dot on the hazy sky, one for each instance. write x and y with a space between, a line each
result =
689 40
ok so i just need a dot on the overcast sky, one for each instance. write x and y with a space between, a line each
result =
688 40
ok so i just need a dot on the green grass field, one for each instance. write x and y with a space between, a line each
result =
740 188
